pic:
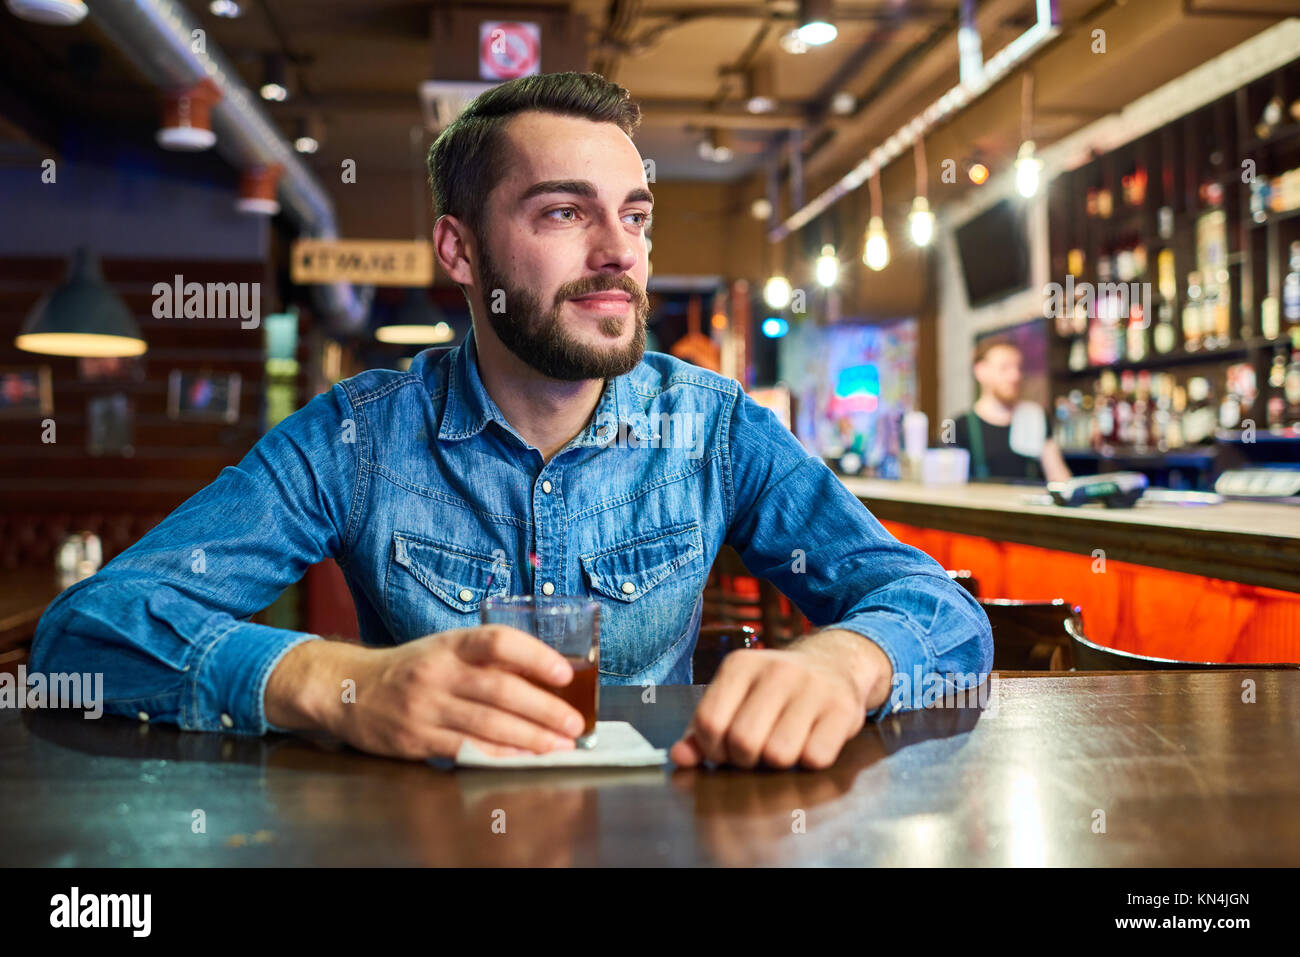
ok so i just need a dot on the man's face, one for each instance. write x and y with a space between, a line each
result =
998 374
562 260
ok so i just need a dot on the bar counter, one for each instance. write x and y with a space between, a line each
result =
1191 582
1098 770
1250 542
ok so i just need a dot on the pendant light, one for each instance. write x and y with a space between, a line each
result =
81 317
416 322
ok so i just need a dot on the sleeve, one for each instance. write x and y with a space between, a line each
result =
794 523
165 622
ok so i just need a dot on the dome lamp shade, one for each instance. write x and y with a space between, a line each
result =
416 322
82 316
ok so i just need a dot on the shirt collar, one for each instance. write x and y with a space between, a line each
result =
469 408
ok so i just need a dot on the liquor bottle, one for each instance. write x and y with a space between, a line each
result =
1164 336
1163 407
1270 320
1192 313
1142 414
1291 384
1177 411
1291 290
1275 404
1124 433
1104 433
1078 355
1136 334
1229 408
1198 420
1222 310
1270 118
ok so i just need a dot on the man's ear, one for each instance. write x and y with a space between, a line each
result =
451 246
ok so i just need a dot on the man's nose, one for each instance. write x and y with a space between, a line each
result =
613 249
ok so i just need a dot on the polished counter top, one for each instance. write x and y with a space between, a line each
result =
1099 770
1255 543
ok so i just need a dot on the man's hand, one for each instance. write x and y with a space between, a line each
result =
425 698
796 705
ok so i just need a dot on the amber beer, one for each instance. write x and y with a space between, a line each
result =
572 627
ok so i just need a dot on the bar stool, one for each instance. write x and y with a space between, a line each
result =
1090 656
1032 635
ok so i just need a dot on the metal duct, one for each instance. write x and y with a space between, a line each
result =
157 36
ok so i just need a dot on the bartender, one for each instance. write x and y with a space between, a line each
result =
1007 438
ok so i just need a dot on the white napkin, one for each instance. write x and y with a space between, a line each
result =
618 745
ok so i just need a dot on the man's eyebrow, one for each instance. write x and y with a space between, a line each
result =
576 187
580 187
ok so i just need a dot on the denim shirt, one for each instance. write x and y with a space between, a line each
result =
428 499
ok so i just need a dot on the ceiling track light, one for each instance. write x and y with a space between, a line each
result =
275 86
53 13
760 88
309 134
718 146
816 26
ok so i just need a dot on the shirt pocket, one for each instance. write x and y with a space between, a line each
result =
648 588
431 586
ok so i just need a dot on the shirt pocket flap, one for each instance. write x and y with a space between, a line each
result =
631 569
460 578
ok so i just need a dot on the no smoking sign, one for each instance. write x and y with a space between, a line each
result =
508 49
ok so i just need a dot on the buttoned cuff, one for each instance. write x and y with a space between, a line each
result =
228 688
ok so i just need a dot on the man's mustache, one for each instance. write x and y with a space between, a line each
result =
603 283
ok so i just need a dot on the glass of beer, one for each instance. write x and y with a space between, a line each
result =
572 627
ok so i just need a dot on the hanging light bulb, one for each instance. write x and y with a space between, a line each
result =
921 223
875 252
828 267
777 291
1028 167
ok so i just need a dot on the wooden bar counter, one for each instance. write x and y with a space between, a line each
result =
1206 582
1100 770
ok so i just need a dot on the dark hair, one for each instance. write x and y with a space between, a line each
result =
988 345
466 162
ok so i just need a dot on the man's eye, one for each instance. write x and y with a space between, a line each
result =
565 214
639 219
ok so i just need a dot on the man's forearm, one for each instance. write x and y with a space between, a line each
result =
305 690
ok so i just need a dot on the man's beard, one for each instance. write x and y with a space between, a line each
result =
538 336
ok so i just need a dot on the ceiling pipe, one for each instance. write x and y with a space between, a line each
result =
157 35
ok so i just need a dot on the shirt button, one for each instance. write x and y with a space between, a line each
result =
546 486
466 594
227 721
143 716
628 588
548 588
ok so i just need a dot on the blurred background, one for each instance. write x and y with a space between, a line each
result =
849 195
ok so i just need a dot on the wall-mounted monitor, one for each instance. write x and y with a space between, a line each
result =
994 252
